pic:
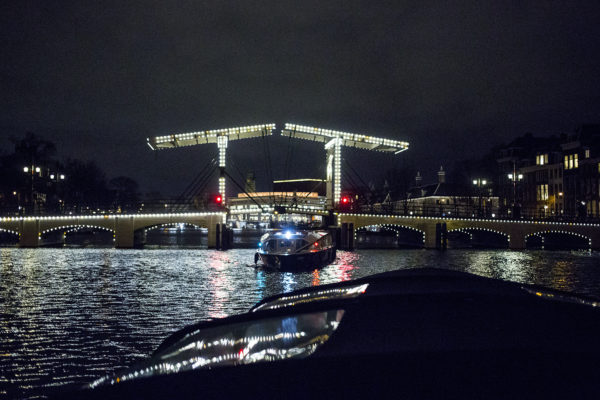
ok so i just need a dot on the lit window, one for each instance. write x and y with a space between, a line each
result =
587 153
542 192
572 161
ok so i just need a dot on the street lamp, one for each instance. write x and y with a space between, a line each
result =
514 177
33 170
479 182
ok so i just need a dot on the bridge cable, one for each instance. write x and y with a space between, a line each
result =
199 181
373 194
243 190
237 168
289 155
268 165
183 198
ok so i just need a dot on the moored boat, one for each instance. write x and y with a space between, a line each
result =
296 249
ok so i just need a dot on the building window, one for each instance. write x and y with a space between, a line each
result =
542 192
541 159
572 161
587 153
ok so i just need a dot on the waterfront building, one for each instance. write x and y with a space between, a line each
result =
293 200
551 177
445 199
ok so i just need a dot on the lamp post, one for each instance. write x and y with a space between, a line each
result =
514 177
57 178
479 183
31 171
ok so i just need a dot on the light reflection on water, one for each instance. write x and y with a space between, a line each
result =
72 315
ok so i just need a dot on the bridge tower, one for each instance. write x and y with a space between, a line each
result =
219 136
334 140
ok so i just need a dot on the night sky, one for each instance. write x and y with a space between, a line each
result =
451 77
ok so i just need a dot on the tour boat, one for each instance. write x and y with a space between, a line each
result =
290 249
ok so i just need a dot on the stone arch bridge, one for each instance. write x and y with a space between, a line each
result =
30 229
517 232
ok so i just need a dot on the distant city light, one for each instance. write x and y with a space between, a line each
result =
51 176
37 169
25 169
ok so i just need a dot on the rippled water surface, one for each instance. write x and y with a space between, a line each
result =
72 315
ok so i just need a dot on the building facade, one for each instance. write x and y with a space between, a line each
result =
554 177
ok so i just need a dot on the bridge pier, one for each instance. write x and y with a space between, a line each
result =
517 241
29 231
124 232
430 236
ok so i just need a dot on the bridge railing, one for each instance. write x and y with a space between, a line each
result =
444 211
142 207
461 211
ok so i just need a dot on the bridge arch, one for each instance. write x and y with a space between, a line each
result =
9 231
416 237
555 239
74 228
170 224
8 237
188 234
490 237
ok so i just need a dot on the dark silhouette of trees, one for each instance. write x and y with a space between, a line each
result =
33 150
125 193
84 188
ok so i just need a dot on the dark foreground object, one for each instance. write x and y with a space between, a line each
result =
422 333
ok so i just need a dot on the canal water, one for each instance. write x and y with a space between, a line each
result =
72 315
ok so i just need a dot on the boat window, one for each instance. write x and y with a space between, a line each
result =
284 243
270 245
300 243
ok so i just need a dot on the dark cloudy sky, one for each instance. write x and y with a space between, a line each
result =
451 77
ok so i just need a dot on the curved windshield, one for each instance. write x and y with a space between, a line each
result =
270 339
